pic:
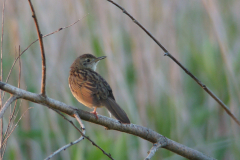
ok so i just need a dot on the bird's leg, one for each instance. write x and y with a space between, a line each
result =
95 112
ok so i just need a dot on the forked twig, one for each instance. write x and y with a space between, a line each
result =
83 133
166 53
10 71
154 149
72 143
43 83
64 148
36 41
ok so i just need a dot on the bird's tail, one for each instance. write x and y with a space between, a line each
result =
116 110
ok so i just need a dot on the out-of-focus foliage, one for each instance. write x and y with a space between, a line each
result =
151 88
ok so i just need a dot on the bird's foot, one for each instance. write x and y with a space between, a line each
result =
95 113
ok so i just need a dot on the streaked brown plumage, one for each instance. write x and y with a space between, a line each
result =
90 89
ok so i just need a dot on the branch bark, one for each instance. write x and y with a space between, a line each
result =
7 104
109 123
72 143
43 84
154 149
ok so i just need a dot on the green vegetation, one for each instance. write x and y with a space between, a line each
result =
151 88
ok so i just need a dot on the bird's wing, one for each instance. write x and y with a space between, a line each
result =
98 86
91 83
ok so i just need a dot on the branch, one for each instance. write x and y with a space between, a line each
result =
43 84
36 41
83 133
1 77
154 149
7 104
72 143
12 116
1 74
81 123
64 148
109 123
7 135
166 53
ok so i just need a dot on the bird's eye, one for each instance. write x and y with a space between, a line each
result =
88 60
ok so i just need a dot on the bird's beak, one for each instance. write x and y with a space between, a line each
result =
100 58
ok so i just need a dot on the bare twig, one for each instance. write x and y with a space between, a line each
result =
109 123
64 148
2 111
1 76
166 53
72 143
43 84
63 28
154 149
2 44
83 133
36 41
11 119
6 138
80 122
7 104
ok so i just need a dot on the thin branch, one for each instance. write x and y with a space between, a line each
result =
166 53
62 28
5 140
80 122
1 77
72 143
154 149
83 133
109 123
64 148
11 119
3 9
43 84
7 104
4 146
36 41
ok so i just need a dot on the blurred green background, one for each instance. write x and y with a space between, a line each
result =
203 35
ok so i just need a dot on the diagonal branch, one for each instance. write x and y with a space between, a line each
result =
7 104
36 41
64 148
109 123
78 140
80 122
83 131
154 149
43 84
166 53
13 128
72 143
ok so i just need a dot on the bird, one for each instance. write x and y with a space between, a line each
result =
91 89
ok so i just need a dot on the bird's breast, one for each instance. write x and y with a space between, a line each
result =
83 90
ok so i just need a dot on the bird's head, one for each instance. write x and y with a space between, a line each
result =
86 61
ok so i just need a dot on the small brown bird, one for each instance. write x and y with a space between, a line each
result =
90 89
